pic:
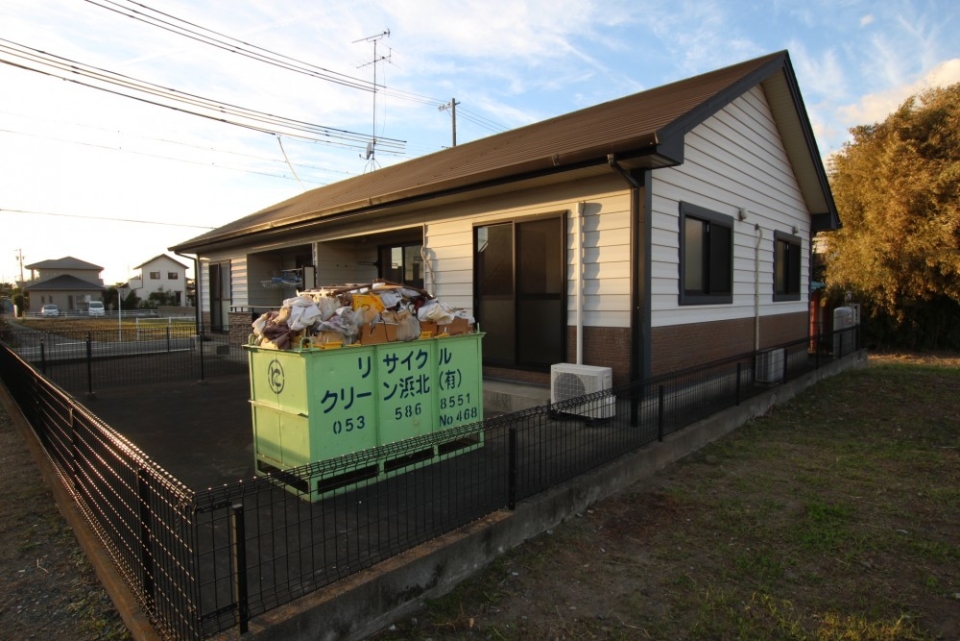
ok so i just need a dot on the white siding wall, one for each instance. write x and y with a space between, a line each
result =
606 239
165 266
733 160
203 285
239 282
238 270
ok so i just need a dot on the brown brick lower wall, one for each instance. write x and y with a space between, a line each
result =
681 346
605 347
602 346
239 327
516 375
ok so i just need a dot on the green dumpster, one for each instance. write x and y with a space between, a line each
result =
311 405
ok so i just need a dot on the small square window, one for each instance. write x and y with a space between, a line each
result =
172 275
786 267
154 275
706 256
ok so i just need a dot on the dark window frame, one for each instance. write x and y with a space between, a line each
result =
710 295
154 275
791 290
382 268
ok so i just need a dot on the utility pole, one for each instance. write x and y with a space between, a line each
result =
452 106
20 260
372 145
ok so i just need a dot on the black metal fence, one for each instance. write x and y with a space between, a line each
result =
82 362
142 515
203 562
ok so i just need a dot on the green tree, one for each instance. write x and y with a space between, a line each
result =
158 298
897 187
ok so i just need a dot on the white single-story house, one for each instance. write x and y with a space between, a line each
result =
160 273
68 282
648 234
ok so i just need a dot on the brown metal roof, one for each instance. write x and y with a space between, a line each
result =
643 130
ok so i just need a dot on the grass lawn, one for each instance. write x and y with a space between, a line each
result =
836 516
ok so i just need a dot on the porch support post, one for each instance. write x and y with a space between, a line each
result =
641 200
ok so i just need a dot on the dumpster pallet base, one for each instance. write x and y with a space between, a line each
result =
310 488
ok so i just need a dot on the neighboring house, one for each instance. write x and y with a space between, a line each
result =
653 232
68 282
160 273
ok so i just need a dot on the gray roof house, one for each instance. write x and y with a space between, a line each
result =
68 282
650 233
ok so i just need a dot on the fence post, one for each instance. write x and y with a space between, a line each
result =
43 356
200 341
90 393
512 468
786 363
660 414
239 544
168 339
739 369
146 538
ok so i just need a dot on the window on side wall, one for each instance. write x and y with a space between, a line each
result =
172 275
154 275
706 256
786 267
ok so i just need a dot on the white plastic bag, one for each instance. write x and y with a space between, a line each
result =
434 310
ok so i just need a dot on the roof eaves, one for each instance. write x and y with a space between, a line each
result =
831 215
637 147
697 115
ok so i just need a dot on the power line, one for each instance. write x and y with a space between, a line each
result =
222 41
482 121
150 155
175 25
114 220
128 135
214 110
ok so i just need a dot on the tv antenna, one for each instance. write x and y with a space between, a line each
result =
371 153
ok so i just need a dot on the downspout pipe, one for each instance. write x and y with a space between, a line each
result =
639 272
756 288
198 303
581 206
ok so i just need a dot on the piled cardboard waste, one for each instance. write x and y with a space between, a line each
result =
358 314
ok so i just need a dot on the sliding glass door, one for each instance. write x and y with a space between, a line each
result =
520 292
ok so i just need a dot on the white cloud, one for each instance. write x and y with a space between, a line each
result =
866 20
875 107
821 76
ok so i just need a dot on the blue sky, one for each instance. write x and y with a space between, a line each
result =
114 181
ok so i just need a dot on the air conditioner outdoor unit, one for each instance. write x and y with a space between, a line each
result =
769 366
569 381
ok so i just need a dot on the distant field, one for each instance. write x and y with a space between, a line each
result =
94 324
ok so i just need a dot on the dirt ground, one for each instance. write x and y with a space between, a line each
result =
836 516
48 590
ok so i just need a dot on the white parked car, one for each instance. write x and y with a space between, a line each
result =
49 310
95 308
